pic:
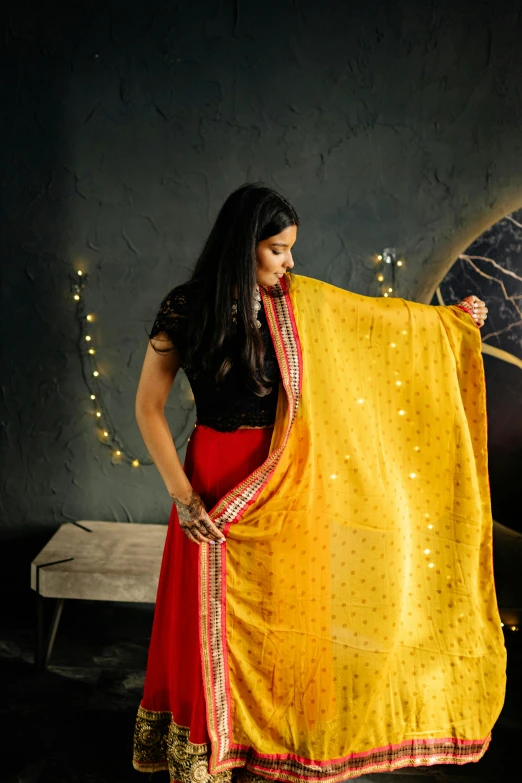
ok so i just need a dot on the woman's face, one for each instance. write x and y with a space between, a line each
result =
274 256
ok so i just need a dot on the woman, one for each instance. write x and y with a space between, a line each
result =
326 605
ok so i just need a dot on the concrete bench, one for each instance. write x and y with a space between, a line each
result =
96 561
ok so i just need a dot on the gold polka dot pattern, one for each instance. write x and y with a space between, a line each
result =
360 608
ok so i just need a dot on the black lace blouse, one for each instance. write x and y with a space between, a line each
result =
231 404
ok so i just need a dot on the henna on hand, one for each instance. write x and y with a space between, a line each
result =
191 510
195 522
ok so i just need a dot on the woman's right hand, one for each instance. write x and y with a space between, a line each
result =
195 522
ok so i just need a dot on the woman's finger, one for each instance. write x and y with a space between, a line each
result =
191 530
475 300
478 310
211 529
190 536
205 534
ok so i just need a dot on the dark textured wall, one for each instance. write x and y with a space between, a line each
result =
391 124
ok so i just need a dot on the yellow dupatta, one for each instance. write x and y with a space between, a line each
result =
349 625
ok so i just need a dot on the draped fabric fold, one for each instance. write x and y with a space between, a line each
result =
349 624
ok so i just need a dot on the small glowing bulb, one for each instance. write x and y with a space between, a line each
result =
118 453
92 351
398 383
379 257
360 401
426 515
514 628
385 294
333 476
88 337
416 448
89 317
76 296
431 565
501 625
93 396
98 413
347 456
401 413
392 345
413 475
426 551
106 434
380 278
399 263
80 272
96 373
404 331
390 289
135 463
430 527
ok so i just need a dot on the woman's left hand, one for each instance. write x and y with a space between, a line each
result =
476 308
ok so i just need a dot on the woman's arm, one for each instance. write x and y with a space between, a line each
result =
157 376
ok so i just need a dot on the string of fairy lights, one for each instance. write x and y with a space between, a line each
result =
388 279
107 434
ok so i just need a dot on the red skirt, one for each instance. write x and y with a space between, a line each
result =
215 462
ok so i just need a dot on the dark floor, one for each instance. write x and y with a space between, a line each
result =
74 722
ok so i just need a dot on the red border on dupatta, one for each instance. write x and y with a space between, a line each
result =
230 509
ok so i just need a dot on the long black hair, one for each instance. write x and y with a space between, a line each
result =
228 262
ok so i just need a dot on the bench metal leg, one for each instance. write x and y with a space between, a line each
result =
42 655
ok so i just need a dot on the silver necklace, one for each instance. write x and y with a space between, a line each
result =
256 307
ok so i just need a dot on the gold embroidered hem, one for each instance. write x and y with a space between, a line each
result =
160 744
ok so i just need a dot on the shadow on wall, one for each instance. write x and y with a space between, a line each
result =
491 268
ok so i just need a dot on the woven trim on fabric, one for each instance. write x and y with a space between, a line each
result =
228 511
415 753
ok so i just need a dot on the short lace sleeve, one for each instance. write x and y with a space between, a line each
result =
171 317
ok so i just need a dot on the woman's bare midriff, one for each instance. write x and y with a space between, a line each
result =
247 427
